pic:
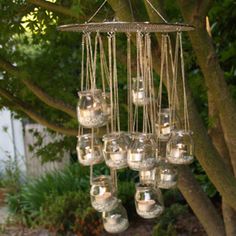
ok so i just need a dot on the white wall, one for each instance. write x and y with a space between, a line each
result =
14 134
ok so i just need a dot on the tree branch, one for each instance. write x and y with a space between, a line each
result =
189 187
37 91
33 115
56 8
200 203
213 74
205 151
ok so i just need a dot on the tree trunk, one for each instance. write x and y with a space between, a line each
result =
200 203
217 137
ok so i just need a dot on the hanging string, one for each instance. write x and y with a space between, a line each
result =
186 115
174 95
82 64
151 88
157 12
104 74
131 10
129 84
113 174
117 111
110 80
96 12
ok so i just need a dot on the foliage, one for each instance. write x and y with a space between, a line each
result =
60 201
204 181
70 212
11 176
164 226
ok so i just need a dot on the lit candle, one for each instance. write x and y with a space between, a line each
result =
175 152
146 205
166 177
117 157
114 219
136 157
88 113
165 130
147 175
101 199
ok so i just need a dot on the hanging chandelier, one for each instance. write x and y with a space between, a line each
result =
157 139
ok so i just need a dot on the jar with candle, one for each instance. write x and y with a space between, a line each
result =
164 126
139 93
148 201
147 176
179 149
142 152
102 193
116 220
115 150
89 149
166 176
92 109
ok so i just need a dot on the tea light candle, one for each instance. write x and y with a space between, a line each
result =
139 97
146 205
175 152
117 157
166 177
136 157
87 113
89 156
165 130
114 219
147 175
101 199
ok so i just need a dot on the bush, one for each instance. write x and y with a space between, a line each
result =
70 212
58 201
164 226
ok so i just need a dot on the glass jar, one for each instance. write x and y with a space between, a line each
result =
102 194
87 154
139 95
115 150
92 110
164 126
148 201
142 152
166 176
179 149
116 220
147 176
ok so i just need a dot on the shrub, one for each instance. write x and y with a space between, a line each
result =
60 202
70 212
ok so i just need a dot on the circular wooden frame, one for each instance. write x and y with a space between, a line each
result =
126 27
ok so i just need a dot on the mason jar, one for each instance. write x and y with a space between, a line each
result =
179 149
102 194
115 150
139 93
89 149
147 176
92 109
148 201
166 176
142 152
115 221
166 124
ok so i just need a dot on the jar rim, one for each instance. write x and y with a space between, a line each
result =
101 179
140 186
90 91
114 135
182 132
88 135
